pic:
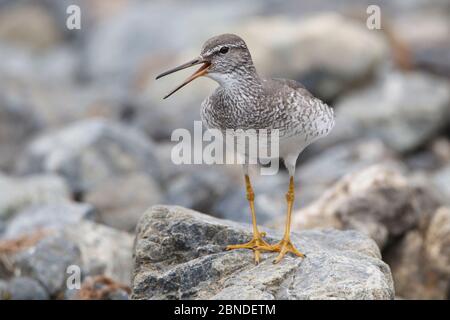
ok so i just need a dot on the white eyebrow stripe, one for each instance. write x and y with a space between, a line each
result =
217 48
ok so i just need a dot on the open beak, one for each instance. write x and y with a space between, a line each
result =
200 72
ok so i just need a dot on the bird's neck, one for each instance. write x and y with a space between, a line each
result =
246 85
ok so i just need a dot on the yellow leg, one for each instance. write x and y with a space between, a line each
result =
285 245
257 243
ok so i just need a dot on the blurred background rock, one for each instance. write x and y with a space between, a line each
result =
85 134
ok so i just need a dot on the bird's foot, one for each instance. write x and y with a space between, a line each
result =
283 247
256 244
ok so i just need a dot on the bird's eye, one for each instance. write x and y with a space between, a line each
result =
224 50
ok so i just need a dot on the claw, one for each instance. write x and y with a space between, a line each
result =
255 244
283 247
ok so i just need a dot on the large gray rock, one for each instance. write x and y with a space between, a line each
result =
47 217
200 190
104 250
420 261
17 124
95 249
122 207
18 193
179 254
437 241
320 172
22 288
326 65
425 34
47 262
389 111
132 38
91 152
378 201
441 180
40 31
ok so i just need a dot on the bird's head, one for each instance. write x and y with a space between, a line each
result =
224 58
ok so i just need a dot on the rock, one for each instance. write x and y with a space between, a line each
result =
201 189
335 162
17 124
18 193
420 261
4 292
306 52
104 251
39 32
97 250
171 171
441 149
158 117
378 201
22 69
122 207
45 100
179 254
425 33
407 270
90 152
389 112
441 180
118 46
47 217
437 241
99 288
23 288
47 262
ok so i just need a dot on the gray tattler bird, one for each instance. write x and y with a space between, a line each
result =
245 100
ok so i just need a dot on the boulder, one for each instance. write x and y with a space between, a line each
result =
122 207
179 254
39 32
420 261
88 153
45 256
378 201
47 217
99 288
441 180
425 34
389 111
104 250
22 288
335 162
18 193
200 190
437 241
47 262
305 51
18 122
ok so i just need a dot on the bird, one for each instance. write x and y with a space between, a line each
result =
245 100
